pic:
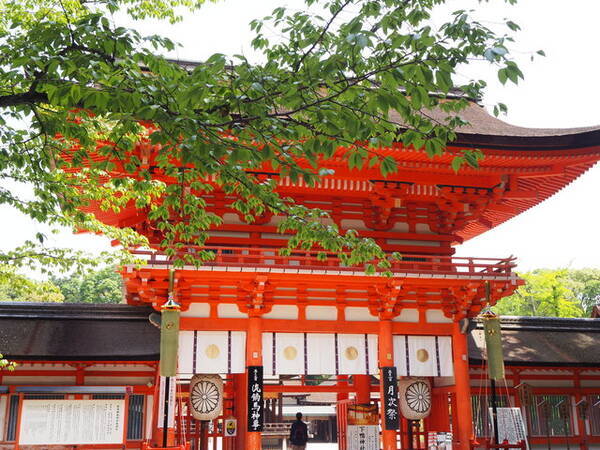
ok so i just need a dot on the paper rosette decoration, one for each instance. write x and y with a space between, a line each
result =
415 398
206 396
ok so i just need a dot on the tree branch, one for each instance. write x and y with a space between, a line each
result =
25 98
320 38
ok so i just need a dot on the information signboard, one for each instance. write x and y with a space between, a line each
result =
363 437
72 422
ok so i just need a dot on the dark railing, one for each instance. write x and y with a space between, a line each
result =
270 260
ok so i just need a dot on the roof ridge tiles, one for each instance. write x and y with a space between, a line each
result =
75 311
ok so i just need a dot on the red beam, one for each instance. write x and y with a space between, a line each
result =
314 326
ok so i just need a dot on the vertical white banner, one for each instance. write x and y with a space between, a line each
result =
319 348
166 401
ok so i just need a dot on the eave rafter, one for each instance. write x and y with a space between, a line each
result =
256 294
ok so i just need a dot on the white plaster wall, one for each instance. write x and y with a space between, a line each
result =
321 313
407 315
3 401
423 228
401 227
230 311
197 310
37 381
289 312
231 218
550 383
353 224
236 234
118 381
414 243
120 367
149 406
359 314
436 316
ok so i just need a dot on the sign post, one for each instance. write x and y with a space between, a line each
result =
390 398
255 398
363 428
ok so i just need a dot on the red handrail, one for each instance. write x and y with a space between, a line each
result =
269 258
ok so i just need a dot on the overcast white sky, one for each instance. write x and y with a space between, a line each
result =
559 91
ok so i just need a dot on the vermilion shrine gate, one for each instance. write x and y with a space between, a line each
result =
299 316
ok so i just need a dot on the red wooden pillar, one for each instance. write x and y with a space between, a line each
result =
342 381
462 386
239 409
362 384
253 358
386 359
439 419
341 411
583 438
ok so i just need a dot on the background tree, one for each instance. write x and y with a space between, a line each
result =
554 293
15 287
78 92
585 285
102 286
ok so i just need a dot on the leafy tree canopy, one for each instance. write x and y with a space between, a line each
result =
77 92
15 287
102 286
554 293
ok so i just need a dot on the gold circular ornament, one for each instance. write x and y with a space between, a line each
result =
212 351
290 353
351 353
422 355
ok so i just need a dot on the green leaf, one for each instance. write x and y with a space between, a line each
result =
457 162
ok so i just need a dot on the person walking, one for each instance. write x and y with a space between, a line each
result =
298 433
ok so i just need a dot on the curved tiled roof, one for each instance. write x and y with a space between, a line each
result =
542 341
71 332
541 162
486 130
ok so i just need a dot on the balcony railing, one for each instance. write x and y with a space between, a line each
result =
269 260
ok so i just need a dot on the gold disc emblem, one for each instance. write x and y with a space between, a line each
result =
212 351
351 353
422 355
290 353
